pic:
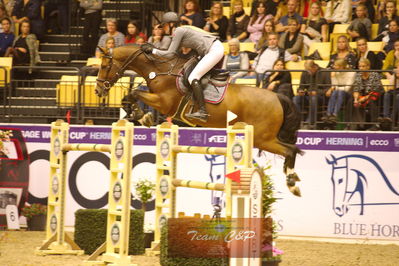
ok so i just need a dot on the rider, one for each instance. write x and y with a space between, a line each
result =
207 46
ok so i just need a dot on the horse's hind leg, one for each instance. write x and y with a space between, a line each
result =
289 166
289 152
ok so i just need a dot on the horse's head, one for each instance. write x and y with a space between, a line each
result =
339 178
114 62
107 73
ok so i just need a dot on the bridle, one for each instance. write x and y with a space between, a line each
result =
107 83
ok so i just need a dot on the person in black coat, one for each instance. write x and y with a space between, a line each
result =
279 82
29 10
363 52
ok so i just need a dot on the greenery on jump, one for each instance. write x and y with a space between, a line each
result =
91 229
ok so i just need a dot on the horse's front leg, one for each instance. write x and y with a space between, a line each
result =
134 111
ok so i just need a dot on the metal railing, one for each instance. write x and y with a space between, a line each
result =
30 96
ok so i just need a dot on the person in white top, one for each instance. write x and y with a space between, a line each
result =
268 55
338 12
340 90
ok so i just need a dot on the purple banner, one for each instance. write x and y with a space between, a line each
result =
307 140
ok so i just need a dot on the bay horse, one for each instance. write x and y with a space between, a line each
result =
274 116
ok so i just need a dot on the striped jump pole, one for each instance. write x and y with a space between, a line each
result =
116 246
238 154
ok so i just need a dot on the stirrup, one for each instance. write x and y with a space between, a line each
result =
199 116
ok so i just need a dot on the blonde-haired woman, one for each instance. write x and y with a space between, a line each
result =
315 27
268 28
343 51
217 22
238 22
340 90
367 89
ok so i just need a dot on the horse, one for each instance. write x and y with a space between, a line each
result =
274 116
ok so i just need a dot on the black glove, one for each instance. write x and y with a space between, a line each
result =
147 48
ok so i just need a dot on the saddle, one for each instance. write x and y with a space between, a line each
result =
214 82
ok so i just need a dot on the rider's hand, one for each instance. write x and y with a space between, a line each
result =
147 48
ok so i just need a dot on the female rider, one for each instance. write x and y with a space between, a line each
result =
207 46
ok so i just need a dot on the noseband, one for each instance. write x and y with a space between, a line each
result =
107 83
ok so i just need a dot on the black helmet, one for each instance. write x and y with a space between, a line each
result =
170 17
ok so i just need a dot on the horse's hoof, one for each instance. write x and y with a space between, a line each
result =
295 190
294 177
147 120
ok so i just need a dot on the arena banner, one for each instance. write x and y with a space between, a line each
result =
349 180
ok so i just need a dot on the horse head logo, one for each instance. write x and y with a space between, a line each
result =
350 184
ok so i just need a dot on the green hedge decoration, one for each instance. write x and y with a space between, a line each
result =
91 229
165 261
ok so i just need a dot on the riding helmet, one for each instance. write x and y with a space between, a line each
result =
170 17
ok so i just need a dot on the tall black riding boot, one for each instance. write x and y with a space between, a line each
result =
198 95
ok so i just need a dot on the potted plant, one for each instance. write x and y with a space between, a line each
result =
145 190
36 216
271 256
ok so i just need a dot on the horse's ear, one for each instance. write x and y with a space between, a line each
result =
102 50
332 161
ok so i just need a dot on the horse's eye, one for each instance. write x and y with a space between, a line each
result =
340 180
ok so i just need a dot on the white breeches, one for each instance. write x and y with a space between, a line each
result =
215 54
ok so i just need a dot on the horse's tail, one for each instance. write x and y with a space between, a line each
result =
291 122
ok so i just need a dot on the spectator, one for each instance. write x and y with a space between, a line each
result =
235 60
133 32
291 40
392 95
267 56
292 5
257 22
62 6
3 14
392 58
9 5
159 39
192 15
340 90
279 82
140 40
315 27
343 52
111 32
367 89
29 10
390 14
217 22
312 88
6 37
337 12
25 49
92 70
272 8
91 24
381 9
267 29
363 52
238 22
390 37
360 26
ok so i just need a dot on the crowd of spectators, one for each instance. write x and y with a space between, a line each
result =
282 31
